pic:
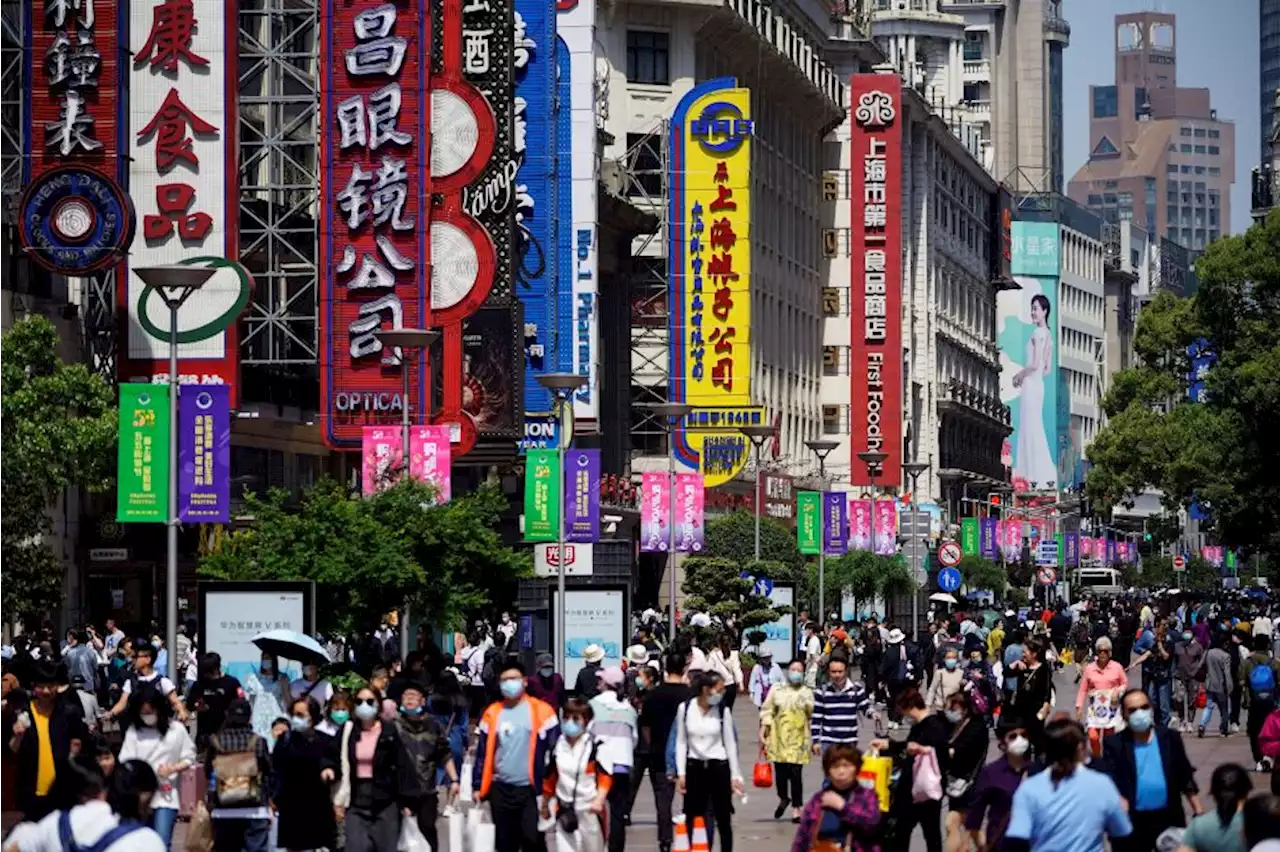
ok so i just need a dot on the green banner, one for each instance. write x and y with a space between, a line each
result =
142 468
969 536
1061 538
542 503
1231 561
809 521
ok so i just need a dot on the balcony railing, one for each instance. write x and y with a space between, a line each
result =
959 393
977 68
979 109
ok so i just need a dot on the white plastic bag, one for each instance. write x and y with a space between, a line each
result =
480 831
411 839
457 827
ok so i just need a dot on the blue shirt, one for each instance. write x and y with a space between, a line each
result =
511 758
1153 792
1072 818
1012 653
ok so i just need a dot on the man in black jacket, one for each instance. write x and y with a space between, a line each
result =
49 732
1150 769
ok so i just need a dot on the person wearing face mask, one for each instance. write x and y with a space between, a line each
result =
929 733
448 706
785 721
966 751
991 802
947 679
381 785
336 728
579 782
163 745
427 744
1189 657
706 755
1157 661
547 684
311 685
1098 699
240 823
845 813
305 762
1150 769
514 738
269 694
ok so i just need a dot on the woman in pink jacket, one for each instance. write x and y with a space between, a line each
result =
1098 700
1269 744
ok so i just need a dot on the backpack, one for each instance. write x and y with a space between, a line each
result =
104 842
237 776
489 669
1262 681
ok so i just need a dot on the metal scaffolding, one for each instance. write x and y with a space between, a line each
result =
11 118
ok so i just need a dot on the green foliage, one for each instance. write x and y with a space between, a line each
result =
1221 452
714 585
863 574
366 555
1158 573
59 431
981 573
732 537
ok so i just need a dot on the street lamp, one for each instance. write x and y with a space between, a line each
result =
757 434
407 340
671 413
562 386
874 460
822 449
175 284
913 470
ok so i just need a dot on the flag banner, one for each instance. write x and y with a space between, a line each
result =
1071 544
655 512
886 527
1231 560
1061 539
809 522
989 538
542 495
431 459
835 523
969 536
690 500
859 524
1109 548
1012 539
382 458
204 454
1086 546
142 461
582 495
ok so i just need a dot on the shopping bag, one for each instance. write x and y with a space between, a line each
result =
1202 698
200 830
411 839
457 827
480 831
762 775
926 779
1068 657
880 768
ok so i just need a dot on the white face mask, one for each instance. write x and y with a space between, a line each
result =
148 719
1018 746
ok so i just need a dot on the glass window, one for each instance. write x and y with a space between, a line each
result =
1214 171
971 92
1185 149
1213 149
648 56
1106 102
1214 134
1172 168
1095 200
1186 170
1185 131
1199 170
1199 132
1200 149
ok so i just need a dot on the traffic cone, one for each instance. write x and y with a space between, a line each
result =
681 839
700 836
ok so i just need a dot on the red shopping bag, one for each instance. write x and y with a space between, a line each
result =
1202 698
762 775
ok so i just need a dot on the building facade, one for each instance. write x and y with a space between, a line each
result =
1268 68
1159 154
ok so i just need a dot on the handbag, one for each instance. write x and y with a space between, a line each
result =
200 830
762 775
411 837
926 779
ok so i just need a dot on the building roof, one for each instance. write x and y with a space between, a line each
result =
1140 158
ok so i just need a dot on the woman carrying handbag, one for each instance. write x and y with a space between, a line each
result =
966 752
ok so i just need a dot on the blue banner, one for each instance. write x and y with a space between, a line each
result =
1110 550
835 523
1072 546
582 495
989 538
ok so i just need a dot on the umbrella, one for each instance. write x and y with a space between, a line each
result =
942 597
291 645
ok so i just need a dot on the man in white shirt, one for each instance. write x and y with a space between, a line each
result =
113 638
1262 625
812 654
311 686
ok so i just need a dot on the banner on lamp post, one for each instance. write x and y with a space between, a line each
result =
655 512
582 495
542 495
969 536
1110 550
989 538
835 523
690 497
142 463
382 457
204 454
431 459
809 522
885 520
859 524
1072 549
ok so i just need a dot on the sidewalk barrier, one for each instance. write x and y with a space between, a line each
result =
681 839
700 843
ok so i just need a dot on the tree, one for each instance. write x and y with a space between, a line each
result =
366 555
863 574
1158 573
732 537
715 585
59 432
981 573
1219 451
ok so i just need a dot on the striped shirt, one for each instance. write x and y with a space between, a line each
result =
614 725
835 712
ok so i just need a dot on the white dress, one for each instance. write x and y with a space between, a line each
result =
1034 460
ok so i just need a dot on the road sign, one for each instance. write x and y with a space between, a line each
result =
948 579
915 525
763 585
949 554
1047 552
1047 576
579 559
1179 563
917 554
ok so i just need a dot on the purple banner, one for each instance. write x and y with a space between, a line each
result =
1110 549
989 538
1072 545
204 454
582 495
835 523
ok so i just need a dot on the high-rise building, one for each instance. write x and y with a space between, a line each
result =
1158 153
1268 67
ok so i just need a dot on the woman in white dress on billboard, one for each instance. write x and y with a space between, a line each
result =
1034 462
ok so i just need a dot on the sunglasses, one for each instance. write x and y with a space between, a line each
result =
368 702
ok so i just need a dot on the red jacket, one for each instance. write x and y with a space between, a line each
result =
1269 736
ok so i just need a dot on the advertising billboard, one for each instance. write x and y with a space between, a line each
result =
593 616
182 115
1027 335
709 262
578 249
232 613
492 374
875 299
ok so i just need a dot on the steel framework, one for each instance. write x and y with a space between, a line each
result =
11 83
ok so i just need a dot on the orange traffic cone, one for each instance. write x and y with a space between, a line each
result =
700 836
681 839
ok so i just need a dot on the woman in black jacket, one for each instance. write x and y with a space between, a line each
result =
305 763
1034 697
929 732
377 780
966 753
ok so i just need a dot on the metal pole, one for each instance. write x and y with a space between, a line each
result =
915 560
404 457
758 501
822 552
671 534
171 565
561 402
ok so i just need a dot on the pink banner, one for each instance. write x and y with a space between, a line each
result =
885 525
655 512
859 523
1086 547
1100 547
431 459
383 457
1011 538
690 499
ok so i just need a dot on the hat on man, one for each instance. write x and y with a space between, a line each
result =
637 655
543 660
896 636
593 653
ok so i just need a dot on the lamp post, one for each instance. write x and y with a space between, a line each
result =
913 470
562 386
407 340
671 413
874 460
757 434
822 449
175 284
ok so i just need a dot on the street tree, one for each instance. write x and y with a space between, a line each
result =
981 573
367 554
732 537
716 586
59 432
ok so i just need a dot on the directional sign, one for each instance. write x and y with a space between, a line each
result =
917 555
949 554
1047 576
948 579
1179 563
915 525
1047 552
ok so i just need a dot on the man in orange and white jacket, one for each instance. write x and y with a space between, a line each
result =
516 737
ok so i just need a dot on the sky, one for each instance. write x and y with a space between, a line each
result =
1217 48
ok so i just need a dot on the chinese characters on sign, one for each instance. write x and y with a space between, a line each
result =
542 490
875 246
75 102
204 455
142 469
